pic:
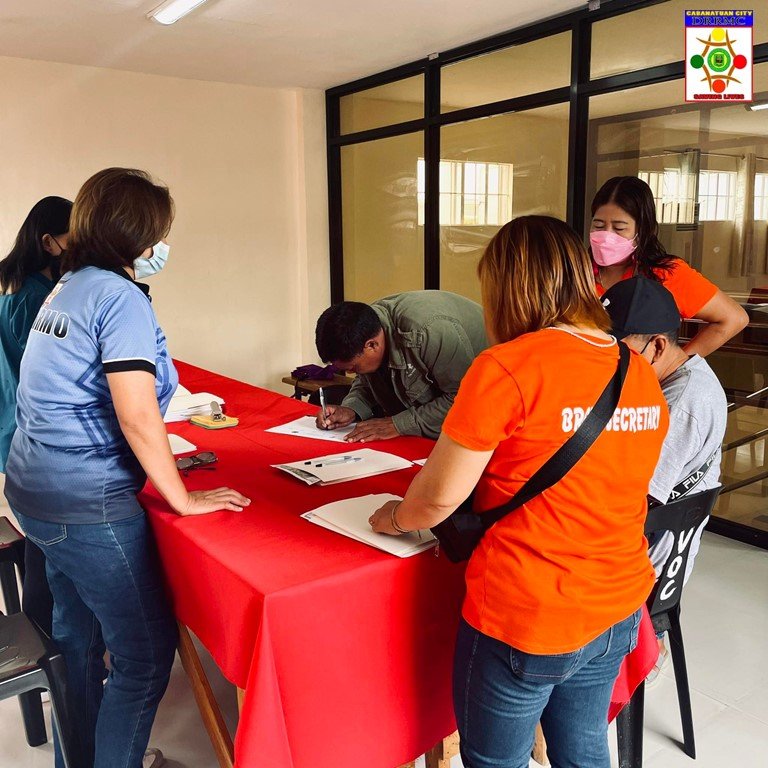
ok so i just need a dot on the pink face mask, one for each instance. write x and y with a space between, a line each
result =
608 248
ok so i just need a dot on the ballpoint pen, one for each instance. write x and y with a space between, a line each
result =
342 460
336 459
322 405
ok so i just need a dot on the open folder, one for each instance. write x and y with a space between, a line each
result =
340 467
349 517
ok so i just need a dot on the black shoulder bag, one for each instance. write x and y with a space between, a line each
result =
460 533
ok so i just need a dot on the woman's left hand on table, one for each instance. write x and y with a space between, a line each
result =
204 502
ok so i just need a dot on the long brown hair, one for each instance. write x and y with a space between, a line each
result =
536 273
118 214
635 197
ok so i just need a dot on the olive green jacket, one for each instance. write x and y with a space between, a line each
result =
432 337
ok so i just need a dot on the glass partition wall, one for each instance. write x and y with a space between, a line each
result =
427 161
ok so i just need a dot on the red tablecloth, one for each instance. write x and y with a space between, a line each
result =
345 652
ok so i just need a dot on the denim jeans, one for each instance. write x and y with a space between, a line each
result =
107 591
500 694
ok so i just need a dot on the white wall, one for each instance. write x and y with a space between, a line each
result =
248 271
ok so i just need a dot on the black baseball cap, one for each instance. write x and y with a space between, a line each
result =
641 306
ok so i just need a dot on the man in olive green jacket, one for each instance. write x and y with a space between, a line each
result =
409 351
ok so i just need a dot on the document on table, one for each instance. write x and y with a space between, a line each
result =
180 445
340 467
184 406
349 517
307 427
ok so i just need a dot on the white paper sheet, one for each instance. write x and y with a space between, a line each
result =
340 467
349 517
180 445
420 462
306 427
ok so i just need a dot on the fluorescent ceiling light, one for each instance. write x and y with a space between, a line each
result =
173 10
755 106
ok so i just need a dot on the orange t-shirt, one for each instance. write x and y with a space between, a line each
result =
557 572
690 288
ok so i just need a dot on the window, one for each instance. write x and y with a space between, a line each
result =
673 193
761 196
387 104
538 65
511 142
648 132
472 194
383 246
717 195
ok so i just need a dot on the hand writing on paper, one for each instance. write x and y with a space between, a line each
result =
202 502
335 416
373 429
381 519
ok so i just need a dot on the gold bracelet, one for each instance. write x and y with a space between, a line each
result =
393 520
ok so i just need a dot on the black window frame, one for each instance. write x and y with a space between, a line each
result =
576 95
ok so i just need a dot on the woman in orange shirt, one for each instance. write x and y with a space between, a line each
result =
624 243
554 589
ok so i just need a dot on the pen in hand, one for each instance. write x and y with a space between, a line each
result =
322 405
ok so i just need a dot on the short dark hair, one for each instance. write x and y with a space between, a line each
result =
343 329
673 337
118 214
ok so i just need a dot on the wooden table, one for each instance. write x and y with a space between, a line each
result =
303 387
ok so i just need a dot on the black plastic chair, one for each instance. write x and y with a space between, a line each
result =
12 554
683 518
30 661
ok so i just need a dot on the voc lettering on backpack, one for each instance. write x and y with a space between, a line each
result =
52 323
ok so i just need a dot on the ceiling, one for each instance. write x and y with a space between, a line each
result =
273 43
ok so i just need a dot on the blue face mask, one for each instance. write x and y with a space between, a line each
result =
151 266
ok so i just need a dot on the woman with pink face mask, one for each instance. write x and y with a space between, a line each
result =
624 242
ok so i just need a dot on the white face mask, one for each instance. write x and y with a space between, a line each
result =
151 266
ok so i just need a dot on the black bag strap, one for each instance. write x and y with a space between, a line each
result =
686 486
569 453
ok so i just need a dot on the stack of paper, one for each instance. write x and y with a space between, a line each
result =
180 445
306 426
339 467
184 406
349 517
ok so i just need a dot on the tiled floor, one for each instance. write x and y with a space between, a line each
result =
726 631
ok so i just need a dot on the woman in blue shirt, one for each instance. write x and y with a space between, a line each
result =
27 275
95 381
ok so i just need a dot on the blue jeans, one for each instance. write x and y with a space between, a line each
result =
107 590
500 694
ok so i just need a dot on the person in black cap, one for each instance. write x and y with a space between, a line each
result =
644 315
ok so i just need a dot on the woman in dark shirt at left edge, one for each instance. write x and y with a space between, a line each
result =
27 275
